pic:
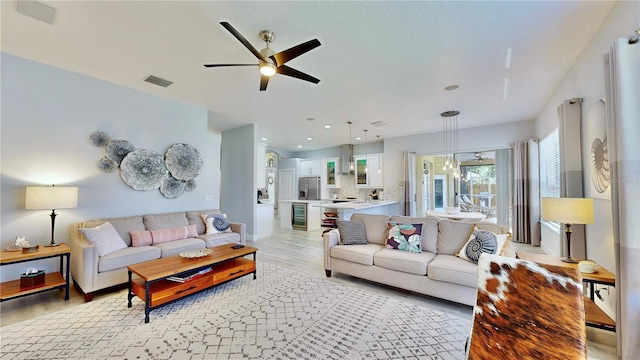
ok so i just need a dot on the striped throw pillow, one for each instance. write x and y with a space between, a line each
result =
176 233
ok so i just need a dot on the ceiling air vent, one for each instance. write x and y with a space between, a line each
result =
158 81
379 123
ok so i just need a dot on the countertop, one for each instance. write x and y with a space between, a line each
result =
303 201
355 205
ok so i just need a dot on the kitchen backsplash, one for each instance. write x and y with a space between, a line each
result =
348 189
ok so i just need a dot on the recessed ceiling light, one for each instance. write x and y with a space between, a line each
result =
327 126
451 87
358 138
311 119
299 146
309 138
264 139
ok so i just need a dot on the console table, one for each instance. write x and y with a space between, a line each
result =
153 286
11 289
595 317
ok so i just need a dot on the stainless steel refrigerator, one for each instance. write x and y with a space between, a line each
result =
309 188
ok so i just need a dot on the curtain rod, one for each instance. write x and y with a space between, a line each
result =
635 37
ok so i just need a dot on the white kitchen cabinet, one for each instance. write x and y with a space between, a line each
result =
331 173
369 171
311 167
261 165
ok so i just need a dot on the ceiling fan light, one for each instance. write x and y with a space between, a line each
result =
267 69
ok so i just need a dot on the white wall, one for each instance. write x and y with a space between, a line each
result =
47 117
586 80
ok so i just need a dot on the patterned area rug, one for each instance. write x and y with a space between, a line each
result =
281 315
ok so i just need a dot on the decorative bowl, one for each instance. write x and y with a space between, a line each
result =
452 210
194 254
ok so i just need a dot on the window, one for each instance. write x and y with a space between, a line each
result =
550 166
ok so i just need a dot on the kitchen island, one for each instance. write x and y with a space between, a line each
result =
344 210
311 214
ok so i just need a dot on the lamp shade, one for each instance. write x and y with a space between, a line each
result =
51 197
568 210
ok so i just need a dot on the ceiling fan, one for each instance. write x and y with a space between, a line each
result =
271 63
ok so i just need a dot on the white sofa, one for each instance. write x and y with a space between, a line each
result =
92 272
436 271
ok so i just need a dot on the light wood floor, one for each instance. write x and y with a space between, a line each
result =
293 249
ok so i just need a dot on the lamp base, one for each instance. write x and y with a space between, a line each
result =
52 245
570 260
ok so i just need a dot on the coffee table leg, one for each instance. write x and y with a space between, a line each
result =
130 295
147 301
254 260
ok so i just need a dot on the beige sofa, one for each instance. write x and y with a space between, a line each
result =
436 271
92 272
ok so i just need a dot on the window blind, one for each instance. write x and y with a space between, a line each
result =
550 165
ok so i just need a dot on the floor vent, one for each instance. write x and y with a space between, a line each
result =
158 81
379 123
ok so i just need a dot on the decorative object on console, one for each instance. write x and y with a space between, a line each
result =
568 211
51 197
146 170
588 266
405 237
32 278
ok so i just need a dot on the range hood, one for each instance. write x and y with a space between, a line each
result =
346 153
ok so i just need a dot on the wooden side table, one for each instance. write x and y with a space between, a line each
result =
11 289
595 317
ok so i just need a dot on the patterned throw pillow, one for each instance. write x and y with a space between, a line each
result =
405 237
481 241
216 223
352 233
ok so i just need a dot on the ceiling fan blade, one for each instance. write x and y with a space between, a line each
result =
241 38
264 80
285 70
292 53
220 65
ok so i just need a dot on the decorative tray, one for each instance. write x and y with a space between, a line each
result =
194 254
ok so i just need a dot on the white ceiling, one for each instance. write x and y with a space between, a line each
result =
379 61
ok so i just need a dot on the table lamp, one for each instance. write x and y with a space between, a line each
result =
51 197
568 211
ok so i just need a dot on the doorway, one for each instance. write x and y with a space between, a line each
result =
440 194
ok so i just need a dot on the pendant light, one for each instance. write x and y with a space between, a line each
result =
351 163
450 134
366 152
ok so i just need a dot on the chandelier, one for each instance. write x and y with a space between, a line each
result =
450 133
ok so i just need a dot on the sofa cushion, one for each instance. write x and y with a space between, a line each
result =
165 221
404 237
194 218
213 240
480 241
429 230
172 234
123 225
452 235
375 227
215 223
172 248
352 232
413 263
105 238
452 269
141 238
361 254
128 256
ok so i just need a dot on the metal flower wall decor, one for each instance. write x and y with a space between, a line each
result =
144 170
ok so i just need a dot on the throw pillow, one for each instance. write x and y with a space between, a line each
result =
104 237
176 233
406 237
481 241
216 223
141 238
352 232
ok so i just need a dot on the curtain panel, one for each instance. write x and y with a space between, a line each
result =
526 195
622 107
